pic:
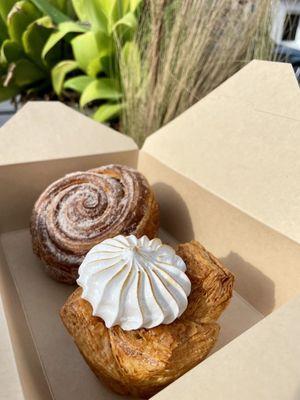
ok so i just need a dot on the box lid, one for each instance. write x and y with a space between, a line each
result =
51 130
242 143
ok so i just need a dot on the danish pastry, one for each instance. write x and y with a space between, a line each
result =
141 362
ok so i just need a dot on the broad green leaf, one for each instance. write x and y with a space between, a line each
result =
101 89
94 67
3 31
71 26
107 112
85 49
53 39
124 6
96 15
59 73
128 20
21 15
80 10
63 29
62 5
11 52
5 7
35 37
105 43
78 84
48 9
7 93
134 4
108 6
110 65
25 73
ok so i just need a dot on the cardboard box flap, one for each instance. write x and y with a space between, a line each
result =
268 86
242 143
51 130
261 364
10 386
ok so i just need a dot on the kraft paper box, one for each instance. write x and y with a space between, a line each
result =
227 173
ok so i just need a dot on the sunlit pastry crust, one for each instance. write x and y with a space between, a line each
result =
83 208
142 362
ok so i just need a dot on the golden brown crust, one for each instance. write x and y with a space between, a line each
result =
211 284
83 208
142 362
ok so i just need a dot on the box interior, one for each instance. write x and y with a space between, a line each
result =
49 364
263 257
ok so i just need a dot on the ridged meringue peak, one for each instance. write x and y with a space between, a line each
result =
134 283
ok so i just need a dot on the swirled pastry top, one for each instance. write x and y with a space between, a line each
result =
83 208
134 283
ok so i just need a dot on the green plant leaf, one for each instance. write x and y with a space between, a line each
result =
3 31
21 15
123 7
101 89
7 93
5 7
62 5
63 29
94 67
134 4
79 83
80 10
10 52
85 49
95 10
107 112
128 20
35 37
48 9
108 6
25 73
71 26
59 73
110 65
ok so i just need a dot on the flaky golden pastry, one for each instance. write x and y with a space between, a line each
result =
83 208
142 362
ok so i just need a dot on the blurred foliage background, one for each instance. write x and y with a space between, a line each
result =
136 64
65 49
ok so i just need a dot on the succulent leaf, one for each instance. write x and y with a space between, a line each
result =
59 73
107 111
20 16
101 89
79 83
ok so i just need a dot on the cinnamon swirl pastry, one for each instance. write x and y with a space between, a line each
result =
83 208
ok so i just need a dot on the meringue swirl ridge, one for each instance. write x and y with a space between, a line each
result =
134 283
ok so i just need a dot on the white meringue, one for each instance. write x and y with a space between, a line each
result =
134 283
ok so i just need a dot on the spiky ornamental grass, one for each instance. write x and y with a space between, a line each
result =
184 49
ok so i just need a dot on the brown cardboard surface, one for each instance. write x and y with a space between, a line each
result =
63 366
265 263
261 364
33 383
10 386
51 130
242 142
